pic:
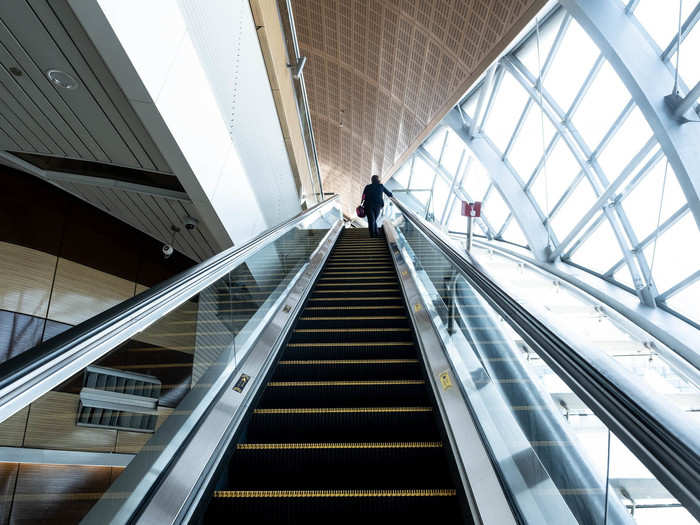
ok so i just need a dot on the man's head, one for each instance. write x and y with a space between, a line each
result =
375 179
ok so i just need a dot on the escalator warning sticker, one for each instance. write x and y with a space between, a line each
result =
241 383
445 380
417 307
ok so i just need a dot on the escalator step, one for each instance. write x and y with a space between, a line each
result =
341 507
345 429
301 466
389 425
345 369
397 392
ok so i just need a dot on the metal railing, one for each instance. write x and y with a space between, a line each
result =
297 62
659 436
29 375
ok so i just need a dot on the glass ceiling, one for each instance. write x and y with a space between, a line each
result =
567 128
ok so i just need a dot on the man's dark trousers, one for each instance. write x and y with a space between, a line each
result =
372 214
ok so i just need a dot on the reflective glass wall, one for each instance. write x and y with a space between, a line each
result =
556 116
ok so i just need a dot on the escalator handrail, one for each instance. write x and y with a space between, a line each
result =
666 442
32 365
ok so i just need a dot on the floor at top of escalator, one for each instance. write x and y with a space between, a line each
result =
346 430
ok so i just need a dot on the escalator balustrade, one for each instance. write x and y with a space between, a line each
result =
346 427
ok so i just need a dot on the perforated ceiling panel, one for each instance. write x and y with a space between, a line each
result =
380 72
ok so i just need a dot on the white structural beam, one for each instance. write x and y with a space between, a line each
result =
508 186
648 79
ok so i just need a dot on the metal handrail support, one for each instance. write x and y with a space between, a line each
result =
29 375
661 437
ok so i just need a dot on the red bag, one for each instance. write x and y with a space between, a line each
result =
360 211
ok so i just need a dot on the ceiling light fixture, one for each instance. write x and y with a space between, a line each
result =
62 79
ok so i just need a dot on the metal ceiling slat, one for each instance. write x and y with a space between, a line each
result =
38 113
21 109
35 80
31 34
132 204
24 84
207 237
13 115
83 43
196 234
8 126
178 220
94 75
117 208
6 141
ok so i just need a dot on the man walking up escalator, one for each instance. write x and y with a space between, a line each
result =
373 199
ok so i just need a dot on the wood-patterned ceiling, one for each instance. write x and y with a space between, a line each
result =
381 73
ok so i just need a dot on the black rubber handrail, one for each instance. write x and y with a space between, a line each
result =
665 442
14 369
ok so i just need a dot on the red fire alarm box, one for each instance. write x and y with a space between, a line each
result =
471 209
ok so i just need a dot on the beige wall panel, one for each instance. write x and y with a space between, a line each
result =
25 279
175 331
51 424
133 442
12 429
81 292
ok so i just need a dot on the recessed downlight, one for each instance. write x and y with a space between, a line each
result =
62 79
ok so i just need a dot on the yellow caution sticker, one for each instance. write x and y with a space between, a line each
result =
241 383
404 273
445 380
417 307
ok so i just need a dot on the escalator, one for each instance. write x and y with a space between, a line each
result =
316 375
346 427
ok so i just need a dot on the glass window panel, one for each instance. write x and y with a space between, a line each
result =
421 196
660 19
642 204
441 190
686 302
527 53
527 149
625 144
600 251
560 171
605 99
677 253
469 106
505 111
571 65
476 181
689 65
401 176
423 175
495 209
434 144
624 276
578 203
453 152
513 233
456 222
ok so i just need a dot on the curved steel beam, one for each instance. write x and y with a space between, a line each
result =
508 186
648 80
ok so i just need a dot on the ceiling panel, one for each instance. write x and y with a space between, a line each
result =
150 214
93 122
380 71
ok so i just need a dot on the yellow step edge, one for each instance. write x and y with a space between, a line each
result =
348 383
354 298
348 330
363 290
405 493
317 446
380 283
347 361
353 318
358 343
342 410
384 307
